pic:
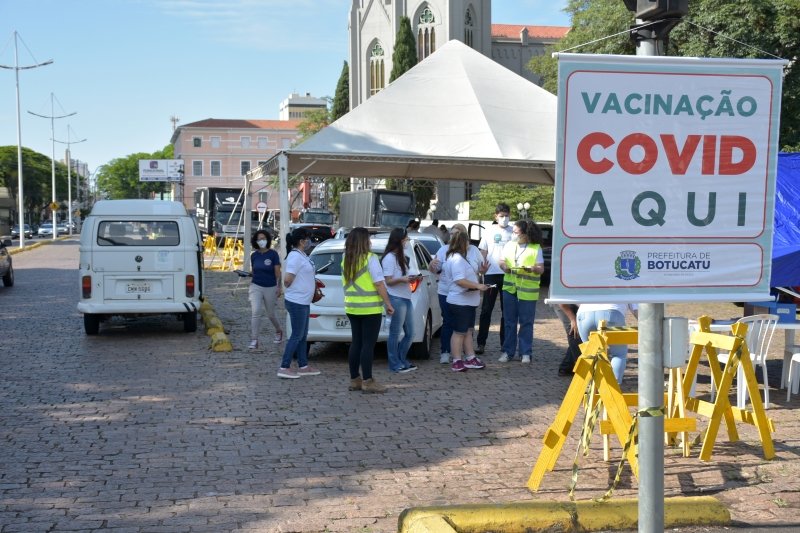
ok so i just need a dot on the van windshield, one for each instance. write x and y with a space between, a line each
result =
138 233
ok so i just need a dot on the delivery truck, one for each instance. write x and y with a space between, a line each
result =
376 208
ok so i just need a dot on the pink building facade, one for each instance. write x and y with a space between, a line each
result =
218 152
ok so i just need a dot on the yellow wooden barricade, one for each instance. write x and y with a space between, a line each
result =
705 342
594 382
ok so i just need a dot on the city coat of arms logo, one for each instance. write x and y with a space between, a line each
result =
627 265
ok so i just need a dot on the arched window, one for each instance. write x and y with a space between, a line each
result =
377 77
426 34
469 27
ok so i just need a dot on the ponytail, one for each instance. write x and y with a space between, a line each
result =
289 243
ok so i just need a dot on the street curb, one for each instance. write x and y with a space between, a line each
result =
13 251
542 516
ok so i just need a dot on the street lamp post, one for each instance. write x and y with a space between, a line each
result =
21 215
523 210
68 157
52 117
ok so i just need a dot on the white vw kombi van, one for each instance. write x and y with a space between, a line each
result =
137 258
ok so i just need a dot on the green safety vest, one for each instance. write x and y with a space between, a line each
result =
524 284
360 295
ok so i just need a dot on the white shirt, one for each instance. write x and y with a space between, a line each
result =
622 308
301 291
458 268
493 241
391 269
474 257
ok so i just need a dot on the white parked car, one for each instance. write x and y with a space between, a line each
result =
329 323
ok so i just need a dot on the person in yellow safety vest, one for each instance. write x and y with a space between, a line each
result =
365 297
523 265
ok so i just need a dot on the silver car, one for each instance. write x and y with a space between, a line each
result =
329 323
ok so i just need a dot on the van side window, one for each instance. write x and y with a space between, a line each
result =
138 233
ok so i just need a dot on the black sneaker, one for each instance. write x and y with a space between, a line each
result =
479 349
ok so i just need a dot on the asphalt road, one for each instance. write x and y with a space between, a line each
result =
143 428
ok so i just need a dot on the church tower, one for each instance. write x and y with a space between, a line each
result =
374 24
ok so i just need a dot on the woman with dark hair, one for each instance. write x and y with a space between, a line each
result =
523 264
364 299
463 299
265 267
299 286
397 279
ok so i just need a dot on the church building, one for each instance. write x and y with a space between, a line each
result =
374 25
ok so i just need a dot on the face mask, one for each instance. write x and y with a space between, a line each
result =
307 245
515 238
261 243
502 221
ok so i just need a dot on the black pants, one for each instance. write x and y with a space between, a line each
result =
487 306
365 330
573 340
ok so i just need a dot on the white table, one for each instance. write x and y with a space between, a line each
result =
790 347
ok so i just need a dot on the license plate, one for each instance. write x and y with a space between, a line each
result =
342 323
141 287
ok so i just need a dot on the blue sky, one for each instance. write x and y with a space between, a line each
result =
126 66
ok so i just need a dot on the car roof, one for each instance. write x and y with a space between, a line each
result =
337 245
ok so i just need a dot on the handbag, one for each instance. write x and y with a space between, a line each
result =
318 294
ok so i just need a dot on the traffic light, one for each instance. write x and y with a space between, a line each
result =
656 9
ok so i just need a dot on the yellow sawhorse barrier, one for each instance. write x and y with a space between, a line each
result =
706 342
594 382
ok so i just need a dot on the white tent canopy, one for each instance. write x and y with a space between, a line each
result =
455 115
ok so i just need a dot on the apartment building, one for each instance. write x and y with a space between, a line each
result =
218 153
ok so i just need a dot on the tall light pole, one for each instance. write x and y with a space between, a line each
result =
68 157
53 117
17 68
523 210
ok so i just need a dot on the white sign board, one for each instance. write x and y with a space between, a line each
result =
261 207
161 170
665 178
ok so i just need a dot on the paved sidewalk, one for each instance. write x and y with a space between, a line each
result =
144 429
442 438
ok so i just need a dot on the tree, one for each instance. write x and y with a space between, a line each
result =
340 107
539 196
38 177
405 50
713 28
119 178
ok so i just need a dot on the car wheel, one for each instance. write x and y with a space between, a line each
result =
190 322
422 350
91 323
8 279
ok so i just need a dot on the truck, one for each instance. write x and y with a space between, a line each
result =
219 211
315 215
376 208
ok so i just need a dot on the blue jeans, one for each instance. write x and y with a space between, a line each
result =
402 319
618 353
296 345
447 324
522 313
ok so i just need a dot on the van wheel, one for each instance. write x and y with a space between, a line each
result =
8 279
190 322
422 350
91 323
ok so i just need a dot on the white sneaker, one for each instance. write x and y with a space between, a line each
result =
526 358
444 358
253 345
504 358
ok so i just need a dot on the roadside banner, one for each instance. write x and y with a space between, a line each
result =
170 170
665 178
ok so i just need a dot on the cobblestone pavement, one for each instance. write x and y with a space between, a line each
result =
143 428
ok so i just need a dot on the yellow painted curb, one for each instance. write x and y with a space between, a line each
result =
529 517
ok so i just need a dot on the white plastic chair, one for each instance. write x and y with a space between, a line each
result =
760 329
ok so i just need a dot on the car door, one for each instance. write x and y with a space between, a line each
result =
429 284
